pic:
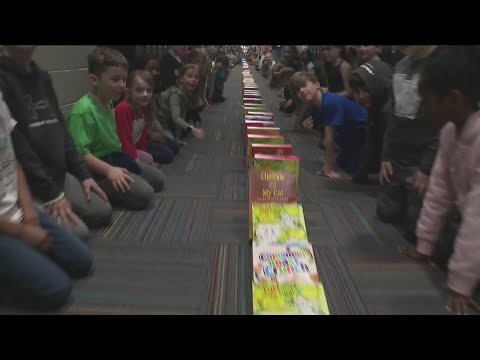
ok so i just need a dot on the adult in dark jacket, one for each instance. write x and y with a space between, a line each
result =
54 169
170 66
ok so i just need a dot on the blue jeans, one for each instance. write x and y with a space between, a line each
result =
351 146
41 281
163 153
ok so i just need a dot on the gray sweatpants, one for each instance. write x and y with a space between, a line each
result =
92 214
96 212
141 190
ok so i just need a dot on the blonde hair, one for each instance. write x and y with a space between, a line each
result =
274 80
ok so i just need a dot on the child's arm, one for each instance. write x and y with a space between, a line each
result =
41 183
330 152
308 124
9 228
288 103
142 142
124 131
464 265
174 102
74 159
119 177
32 235
346 71
28 230
298 116
429 153
82 130
25 201
436 204
156 136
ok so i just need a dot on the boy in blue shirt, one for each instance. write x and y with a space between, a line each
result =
345 123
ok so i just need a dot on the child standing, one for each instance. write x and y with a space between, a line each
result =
450 89
92 125
221 75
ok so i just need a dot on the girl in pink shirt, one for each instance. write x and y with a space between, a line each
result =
450 91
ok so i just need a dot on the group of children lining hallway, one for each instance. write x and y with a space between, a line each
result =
413 120
61 177
409 116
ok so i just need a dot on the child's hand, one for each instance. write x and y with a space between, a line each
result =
120 179
198 133
158 137
460 304
386 171
420 183
91 185
412 253
62 211
30 216
330 173
308 123
36 237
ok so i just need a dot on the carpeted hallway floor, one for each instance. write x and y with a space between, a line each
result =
189 252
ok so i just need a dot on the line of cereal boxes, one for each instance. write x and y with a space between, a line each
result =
285 277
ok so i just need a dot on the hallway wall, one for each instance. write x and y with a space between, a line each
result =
68 68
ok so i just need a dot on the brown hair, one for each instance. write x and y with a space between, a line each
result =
142 74
199 57
145 76
274 80
101 58
195 54
184 69
299 80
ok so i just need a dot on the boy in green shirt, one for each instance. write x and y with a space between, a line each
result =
91 122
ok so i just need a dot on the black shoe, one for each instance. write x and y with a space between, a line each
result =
360 179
